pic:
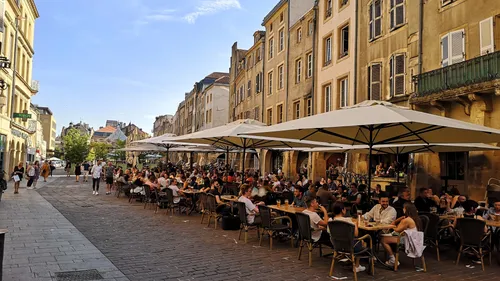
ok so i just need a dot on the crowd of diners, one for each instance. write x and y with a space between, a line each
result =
323 200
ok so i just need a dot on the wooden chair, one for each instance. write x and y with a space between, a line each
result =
305 236
211 209
271 226
203 205
473 239
400 247
245 226
343 240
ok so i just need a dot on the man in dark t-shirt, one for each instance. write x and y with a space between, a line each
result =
423 202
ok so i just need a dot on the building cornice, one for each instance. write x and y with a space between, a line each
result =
33 8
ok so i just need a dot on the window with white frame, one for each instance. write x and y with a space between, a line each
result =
446 2
344 41
296 110
269 116
375 19
397 13
281 77
397 75
258 82
298 70
487 39
453 48
270 83
327 52
343 3
256 113
308 106
249 88
282 39
328 8
344 91
327 94
271 48
279 113
375 81
242 93
299 35
310 27
309 65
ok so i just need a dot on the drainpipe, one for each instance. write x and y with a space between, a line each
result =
262 93
356 31
287 57
315 55
420 37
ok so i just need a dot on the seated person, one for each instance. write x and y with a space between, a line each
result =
410 221
193 184
339 213
298 197
470 208
425 201
324 195
151 182
493 211
401 199
162 180
376 192
353 195
382 212
215 190
458 201
319 226
310 191
251 209
177 193
444 204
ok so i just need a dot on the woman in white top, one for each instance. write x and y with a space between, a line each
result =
410 221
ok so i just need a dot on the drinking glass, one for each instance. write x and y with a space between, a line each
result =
286 203
278 203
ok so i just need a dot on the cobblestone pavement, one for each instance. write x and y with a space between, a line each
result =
148 246
40 241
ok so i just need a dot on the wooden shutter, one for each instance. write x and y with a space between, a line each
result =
371 24
457 46
399 74
375 81
445 51
486 36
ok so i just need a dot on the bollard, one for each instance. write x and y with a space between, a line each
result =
2 242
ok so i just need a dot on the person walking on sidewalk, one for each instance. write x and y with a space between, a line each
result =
31 175
86 170
78 172
45 171
96 177
52 167
68 169
110 171
18 176
37 173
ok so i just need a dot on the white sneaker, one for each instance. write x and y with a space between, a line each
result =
391 262
93 192
96 193
360 268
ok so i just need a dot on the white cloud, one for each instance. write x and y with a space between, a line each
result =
209 7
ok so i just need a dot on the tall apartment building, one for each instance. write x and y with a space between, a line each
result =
216 103
49 129
163 124
460 46
17 46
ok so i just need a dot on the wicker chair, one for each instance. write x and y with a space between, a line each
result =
245 226
271 226
473 239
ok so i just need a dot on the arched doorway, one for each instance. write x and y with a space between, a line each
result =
302 163
276 160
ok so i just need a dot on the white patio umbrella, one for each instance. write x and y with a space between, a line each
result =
163 141
379 123
232 136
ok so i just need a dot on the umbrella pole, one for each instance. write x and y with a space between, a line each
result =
168 148
243 164
227 159
370 145
191 160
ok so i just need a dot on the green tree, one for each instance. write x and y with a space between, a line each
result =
76 146
100 150
58 153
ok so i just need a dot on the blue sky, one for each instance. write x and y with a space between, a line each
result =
131 60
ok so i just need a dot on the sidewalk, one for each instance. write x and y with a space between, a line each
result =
42 243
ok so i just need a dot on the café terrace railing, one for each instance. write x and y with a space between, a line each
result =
478 70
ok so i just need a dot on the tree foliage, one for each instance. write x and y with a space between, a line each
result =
120 154
76 146
100 150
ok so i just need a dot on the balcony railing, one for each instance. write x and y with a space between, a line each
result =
478 70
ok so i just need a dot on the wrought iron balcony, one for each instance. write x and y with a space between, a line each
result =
474 71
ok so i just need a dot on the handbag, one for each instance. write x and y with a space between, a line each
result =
16 178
